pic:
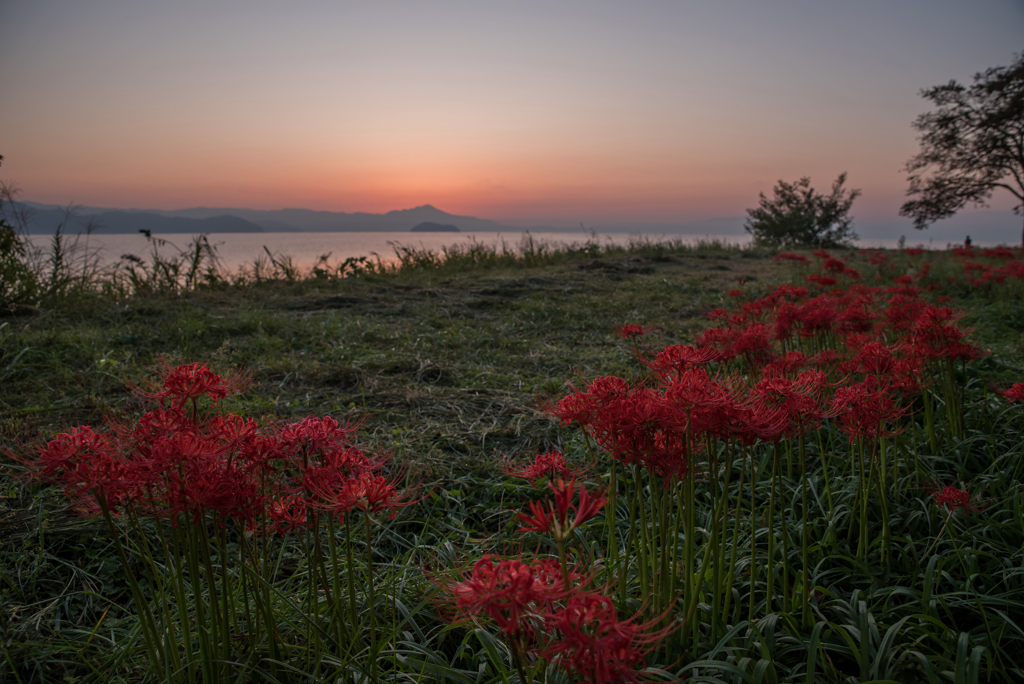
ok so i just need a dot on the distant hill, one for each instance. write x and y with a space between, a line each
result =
430 227
273 221
45 220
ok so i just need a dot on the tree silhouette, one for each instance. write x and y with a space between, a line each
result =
971 145
798 216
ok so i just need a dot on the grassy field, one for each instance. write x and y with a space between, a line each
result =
449 362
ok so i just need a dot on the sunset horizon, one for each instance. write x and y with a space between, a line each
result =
589 113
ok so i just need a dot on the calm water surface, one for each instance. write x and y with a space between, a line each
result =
242 249
237 250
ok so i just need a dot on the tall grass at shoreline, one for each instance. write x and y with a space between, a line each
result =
67 268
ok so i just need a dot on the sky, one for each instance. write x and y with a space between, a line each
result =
529 113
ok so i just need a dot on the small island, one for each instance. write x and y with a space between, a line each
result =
430 227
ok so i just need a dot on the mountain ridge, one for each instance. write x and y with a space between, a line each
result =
222 219
985 225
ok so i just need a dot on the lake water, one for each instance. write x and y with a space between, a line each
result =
241 249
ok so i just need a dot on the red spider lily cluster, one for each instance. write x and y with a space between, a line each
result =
953 499
775 367
631 331
547 465
575 628
178 464
996 265
1015 393
548 611
788 256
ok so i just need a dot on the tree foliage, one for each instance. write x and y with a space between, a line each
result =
17 281
798 216
971 145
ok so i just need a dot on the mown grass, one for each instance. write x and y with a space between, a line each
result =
445 356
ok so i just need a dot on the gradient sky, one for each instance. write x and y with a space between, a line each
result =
532 113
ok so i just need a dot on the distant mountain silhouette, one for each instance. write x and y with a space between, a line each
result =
430 227
273 221
45 220
984 225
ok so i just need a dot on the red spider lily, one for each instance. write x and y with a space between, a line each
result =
1015 393
787 256
66 451
643 427
903 311
550 579
785 320
172 465
189 382
87 465
786 365
998 253
375 493
864 409
708 406
510 592
232 428
153 425
876 358
877 259
544 465
325 475
365 491
176 456
289 514
792 292
821 281
834 265
817 315
679 357
796 404
581 407
856 315
313 434
553 518
229 492
753 341
822 254
935 335
635 424
594 643
953 499
631 331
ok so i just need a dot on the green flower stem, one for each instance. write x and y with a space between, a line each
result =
149 631
805 589
333 588
645 555
770 570
369 591
734 550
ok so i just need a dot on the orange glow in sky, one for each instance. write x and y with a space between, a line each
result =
529 113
